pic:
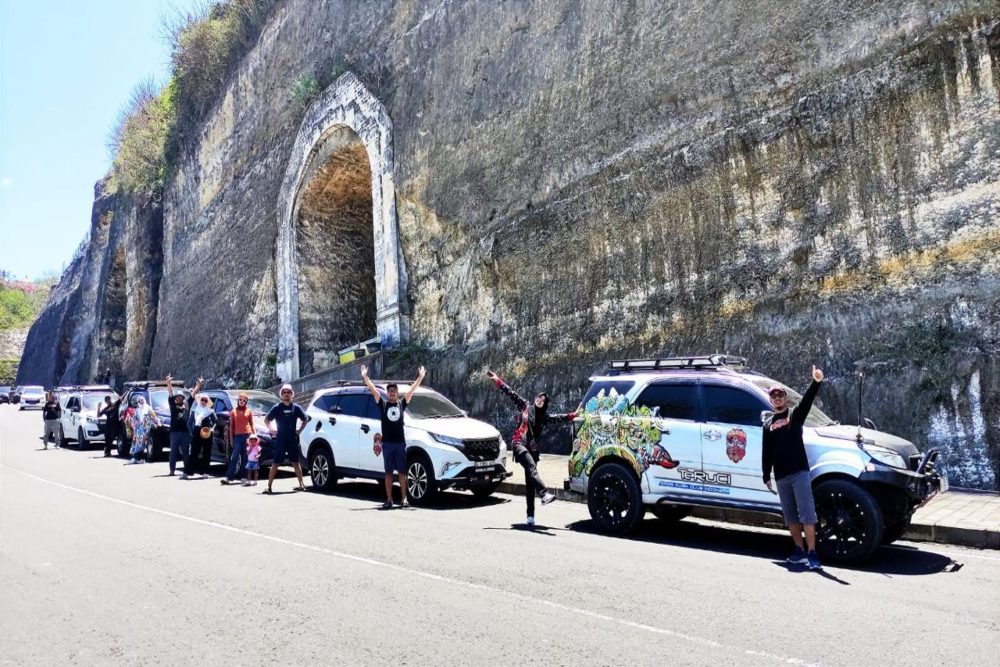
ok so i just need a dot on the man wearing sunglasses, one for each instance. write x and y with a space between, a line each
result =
784 451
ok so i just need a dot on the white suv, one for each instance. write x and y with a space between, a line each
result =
445 448
672 434
79 414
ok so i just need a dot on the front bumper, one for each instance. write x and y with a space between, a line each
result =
920 484
473 475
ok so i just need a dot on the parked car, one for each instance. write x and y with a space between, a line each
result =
79 420
259 402
673 434
31 396
155 393
4 394
445 448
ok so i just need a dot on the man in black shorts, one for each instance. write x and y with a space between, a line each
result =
393 437
285 429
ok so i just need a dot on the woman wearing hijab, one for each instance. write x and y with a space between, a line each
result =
143 421
200 454
531 419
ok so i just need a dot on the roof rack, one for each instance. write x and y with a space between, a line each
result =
178 384
706 362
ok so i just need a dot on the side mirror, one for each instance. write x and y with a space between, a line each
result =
75 408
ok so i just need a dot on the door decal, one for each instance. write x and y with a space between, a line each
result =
736 445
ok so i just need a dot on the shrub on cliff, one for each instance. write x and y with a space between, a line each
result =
206 45
139 138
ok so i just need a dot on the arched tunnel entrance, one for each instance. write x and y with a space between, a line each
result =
340 274
335 252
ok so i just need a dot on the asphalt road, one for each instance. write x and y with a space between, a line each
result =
102 563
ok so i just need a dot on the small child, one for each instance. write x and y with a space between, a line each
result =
253 460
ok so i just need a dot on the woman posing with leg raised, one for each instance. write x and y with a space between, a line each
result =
531 419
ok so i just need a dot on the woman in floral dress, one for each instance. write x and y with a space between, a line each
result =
143 420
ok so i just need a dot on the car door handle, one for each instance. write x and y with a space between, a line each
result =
365 428
333 421
712 435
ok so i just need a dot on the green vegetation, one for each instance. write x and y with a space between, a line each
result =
20 303
8 371
304 91
156 126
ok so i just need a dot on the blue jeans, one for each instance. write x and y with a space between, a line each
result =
238 459
179 443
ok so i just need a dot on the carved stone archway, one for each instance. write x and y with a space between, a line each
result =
345 103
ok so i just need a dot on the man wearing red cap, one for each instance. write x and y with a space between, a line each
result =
784 451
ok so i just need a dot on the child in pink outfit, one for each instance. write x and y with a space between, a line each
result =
253 460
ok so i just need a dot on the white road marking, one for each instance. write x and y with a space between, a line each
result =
426 575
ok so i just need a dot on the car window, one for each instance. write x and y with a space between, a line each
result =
371 408
92 401
220 406
327 403
816 417
674 400
261 405
73 402
431 405
621 387
729 405
353 405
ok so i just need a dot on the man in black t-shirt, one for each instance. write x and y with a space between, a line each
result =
285 417
393 447
180 436
111 422
51 414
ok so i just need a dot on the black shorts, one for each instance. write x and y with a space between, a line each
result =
286 451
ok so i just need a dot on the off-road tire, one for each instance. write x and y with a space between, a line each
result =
614 499
850 523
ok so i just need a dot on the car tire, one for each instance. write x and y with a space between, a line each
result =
484 490
81 439
671 513
155 449
614 499
850 524
322 469
895 531
62 437
420 484
123 445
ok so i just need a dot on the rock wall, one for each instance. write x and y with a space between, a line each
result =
795 182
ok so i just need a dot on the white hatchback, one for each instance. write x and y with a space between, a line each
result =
445 448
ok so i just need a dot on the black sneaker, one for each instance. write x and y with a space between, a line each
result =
387 505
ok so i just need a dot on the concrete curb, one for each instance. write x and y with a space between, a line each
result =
918 532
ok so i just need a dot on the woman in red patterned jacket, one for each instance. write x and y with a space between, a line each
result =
531 419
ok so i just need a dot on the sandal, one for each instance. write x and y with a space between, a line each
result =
268 492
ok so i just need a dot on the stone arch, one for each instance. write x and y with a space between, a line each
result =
345 104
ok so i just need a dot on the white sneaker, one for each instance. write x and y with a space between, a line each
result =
548 497
183 476
531 521
246 482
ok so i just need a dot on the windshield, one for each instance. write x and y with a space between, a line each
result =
261 405
33 390
816 416
94 401
432 405
159 399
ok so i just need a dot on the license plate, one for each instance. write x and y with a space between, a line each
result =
485 464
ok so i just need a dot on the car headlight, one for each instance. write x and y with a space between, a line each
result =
886 456
448 440
91 420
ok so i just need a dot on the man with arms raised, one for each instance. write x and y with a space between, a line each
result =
393 447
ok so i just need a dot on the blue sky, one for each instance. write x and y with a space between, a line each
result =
66 68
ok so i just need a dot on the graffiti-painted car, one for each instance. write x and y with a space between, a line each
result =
669 435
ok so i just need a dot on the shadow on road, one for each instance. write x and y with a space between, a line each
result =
447 500
898 561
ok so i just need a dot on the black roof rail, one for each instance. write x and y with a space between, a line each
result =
143 384
705 362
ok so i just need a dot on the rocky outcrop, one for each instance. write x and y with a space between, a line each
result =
798 183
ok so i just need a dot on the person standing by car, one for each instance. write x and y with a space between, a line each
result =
143 422
180 437
240 428
283 421
253 459
784 451
202 420
393 444
531 419
112 421
51 414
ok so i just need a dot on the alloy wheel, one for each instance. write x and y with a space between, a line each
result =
841 524
612 499
320 471
416 479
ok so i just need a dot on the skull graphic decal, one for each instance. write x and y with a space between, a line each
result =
736 445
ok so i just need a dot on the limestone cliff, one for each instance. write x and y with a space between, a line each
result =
570 182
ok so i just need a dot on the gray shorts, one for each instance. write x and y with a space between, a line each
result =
51 431
796 494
